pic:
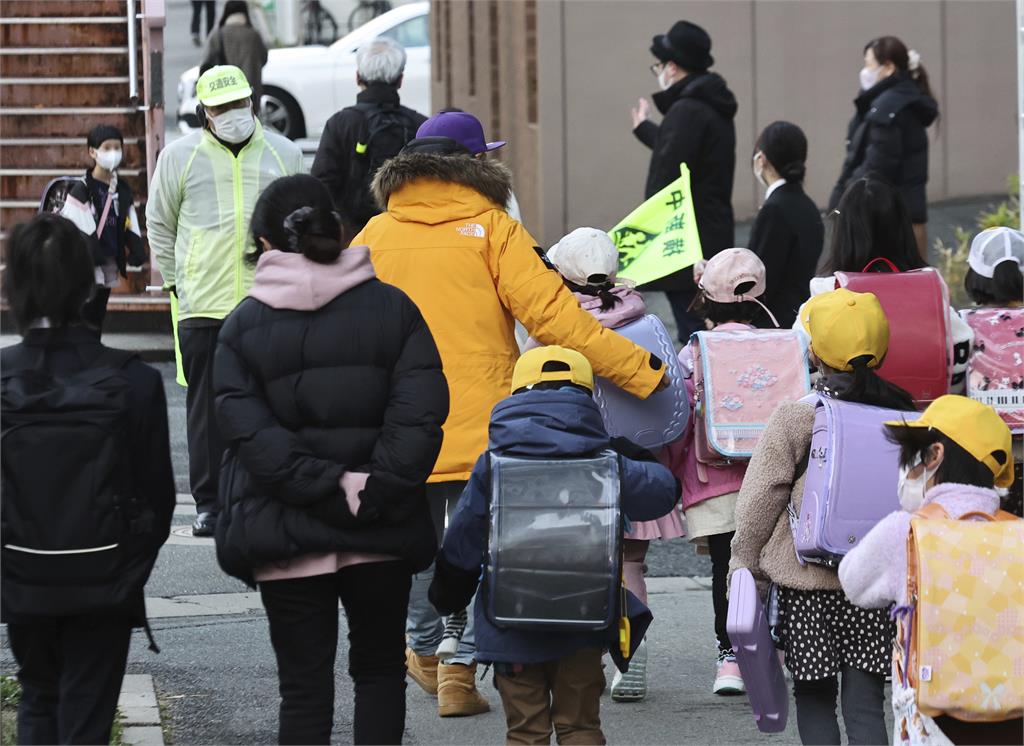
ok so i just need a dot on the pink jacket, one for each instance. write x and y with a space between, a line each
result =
874 573
721 480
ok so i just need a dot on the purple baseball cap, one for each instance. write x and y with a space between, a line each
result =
460 126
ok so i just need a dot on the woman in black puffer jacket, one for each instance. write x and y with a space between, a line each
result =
331 397
887 138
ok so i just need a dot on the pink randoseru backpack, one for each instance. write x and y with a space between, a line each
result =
740 378
995 371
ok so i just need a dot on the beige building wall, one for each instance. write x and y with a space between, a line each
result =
575 159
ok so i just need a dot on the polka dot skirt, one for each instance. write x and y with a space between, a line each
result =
823 632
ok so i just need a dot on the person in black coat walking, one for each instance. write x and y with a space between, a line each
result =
698 130
788 232
331 396
358 139
88 492
887 138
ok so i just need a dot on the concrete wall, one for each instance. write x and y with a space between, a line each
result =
784 59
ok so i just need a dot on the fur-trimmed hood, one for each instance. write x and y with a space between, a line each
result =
459 187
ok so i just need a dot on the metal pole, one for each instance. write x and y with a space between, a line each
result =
1020 101
133 83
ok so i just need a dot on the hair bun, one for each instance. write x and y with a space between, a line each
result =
296 225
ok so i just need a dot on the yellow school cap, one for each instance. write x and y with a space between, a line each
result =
844 325
562 365
221 85
973 426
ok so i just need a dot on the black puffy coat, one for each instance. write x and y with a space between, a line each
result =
698 130
887 139
322 384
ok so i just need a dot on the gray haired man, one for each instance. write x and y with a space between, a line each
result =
358 139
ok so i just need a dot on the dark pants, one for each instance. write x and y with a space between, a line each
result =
205 443
303 616
720 547
197 9
70 670
863 708
95 309
686 322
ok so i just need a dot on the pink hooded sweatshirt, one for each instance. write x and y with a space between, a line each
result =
874 573
721 480
292 282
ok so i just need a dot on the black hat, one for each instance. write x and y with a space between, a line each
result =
686 44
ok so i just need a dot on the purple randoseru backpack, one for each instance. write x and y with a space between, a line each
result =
852 479
660 418
747 625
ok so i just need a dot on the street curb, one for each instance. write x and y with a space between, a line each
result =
140 711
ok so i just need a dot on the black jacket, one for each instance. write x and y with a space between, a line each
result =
888 139
788 234
303 396
698 130
73 350
129 239
333 161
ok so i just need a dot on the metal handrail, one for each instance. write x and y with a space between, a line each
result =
133 81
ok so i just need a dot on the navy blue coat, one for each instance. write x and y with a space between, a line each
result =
562 423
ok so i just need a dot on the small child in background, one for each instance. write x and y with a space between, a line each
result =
728 285
588 261
548 679
995 280
954 456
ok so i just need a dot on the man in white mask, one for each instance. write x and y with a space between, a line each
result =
698 130
201 199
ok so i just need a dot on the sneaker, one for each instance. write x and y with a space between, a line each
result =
632 685
423 670
728 679
196 42
454 628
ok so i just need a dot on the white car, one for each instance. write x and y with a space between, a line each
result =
304 86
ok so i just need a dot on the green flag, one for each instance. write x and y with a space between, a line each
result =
660 236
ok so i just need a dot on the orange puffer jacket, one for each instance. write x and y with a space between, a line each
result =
446 240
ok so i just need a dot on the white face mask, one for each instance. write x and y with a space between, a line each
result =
664 79
759 171
234 125
912 490
868 78
108 159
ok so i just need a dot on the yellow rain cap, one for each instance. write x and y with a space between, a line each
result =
561 365
973 426
844 325
221 85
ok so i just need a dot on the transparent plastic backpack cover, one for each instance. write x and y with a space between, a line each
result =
555 542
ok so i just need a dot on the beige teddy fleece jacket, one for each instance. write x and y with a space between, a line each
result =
764 542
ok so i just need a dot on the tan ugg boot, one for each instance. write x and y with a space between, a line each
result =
457 695
423 670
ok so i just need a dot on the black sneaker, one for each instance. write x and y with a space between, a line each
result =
205 524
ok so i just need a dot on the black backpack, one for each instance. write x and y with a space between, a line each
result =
76 536
385 131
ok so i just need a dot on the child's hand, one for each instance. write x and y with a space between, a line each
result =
352 483
641 112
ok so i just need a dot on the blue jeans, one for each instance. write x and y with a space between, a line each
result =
423 624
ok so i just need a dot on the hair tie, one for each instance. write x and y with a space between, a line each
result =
293 225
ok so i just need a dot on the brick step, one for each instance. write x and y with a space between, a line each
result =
57 122
65 32
82 92
30 186
93 62
61 8
70 153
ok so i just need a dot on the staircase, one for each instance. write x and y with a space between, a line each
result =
66 66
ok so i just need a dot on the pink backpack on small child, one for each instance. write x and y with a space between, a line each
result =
995 371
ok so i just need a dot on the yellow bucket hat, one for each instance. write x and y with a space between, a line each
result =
973 426
571 367
221 85
844 325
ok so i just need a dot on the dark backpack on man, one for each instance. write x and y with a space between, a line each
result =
385 131
76 535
